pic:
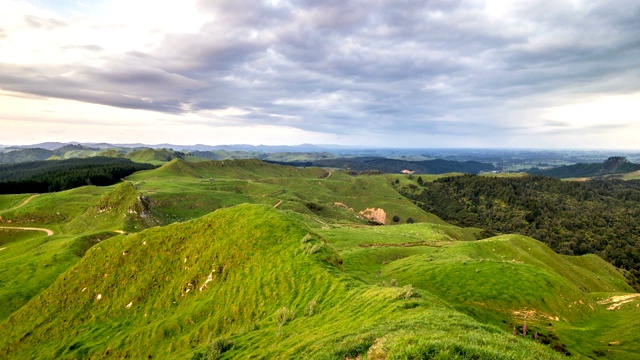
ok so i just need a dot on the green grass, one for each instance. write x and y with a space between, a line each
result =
180 191
29 263
11 201
174 292
504 281
308 280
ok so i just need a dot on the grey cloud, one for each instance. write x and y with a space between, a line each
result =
335 66
42 23
132 88
93 48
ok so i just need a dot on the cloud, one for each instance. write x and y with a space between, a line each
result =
42 23
472 68
95 48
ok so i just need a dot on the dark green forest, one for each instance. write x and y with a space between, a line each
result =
599 217
58 175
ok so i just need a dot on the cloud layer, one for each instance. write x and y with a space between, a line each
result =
428 71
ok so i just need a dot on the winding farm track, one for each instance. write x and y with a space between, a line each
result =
25 202
49 232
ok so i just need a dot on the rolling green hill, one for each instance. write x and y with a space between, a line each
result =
600 217
242 282
508 281
246 259
182 190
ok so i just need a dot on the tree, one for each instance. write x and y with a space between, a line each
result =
396 218
410 220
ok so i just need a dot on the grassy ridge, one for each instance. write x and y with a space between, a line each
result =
180 190
246 274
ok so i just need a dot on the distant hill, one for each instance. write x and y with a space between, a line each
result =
436 166
159 156
613 165
48 176
25 155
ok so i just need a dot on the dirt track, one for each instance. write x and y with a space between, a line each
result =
49 232
25 202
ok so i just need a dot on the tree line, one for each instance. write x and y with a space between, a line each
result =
599 217
58 175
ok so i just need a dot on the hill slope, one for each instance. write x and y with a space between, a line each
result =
241 282
180 190
507 281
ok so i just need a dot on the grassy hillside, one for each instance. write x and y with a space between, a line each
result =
242 282
244 259
507 281
180 190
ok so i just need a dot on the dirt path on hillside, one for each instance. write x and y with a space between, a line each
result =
25 202
49 232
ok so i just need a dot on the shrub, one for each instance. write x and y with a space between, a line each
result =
311 307
284 315
307 238
216 348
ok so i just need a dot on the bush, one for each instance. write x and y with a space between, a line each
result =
307 238
311 307
216 348
284 315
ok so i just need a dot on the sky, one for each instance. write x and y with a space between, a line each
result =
415 74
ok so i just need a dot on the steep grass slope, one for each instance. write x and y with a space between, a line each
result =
508 281
121 208
243 282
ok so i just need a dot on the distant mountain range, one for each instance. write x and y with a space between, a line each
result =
613 165
197 147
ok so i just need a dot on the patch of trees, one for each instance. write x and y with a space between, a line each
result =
599 217
58 175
